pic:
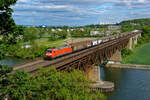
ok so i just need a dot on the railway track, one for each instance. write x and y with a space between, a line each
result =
61 62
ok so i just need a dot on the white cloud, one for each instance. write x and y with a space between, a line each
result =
23 0
53 6
77 11
141 1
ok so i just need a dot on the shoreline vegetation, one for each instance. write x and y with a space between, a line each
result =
140 52
48 84
140 55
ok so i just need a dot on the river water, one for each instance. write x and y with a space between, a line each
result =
11 61
130 84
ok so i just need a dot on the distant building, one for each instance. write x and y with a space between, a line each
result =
43 26
105 23
108 33
136 31
20 37
133 23
114 27
81 29
59 29
53 30
72 29
96 33
68 30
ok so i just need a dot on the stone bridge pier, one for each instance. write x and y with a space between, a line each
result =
93 73
133 41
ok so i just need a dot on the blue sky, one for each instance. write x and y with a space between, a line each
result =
78 12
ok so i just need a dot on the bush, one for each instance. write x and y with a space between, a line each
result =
49 84
30 33
30 53
126 52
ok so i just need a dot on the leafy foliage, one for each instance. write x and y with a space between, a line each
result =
145 36
126 52
9 31
8 27
30 53
142 24
2 52
49 84
53 36
141 55
4 82
84 32
30 33
130 25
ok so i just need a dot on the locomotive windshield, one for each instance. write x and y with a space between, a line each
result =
49 51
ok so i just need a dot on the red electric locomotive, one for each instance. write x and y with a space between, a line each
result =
58 51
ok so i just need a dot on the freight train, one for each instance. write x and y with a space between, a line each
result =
56 52
61 51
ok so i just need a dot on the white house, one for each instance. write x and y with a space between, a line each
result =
53 30
114 27
59 29
96 33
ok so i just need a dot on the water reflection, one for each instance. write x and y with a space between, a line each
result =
129 84
11 61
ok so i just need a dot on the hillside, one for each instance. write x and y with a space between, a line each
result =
130 25
142 21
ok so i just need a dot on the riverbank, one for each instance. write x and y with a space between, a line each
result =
11 61
129 66
140 56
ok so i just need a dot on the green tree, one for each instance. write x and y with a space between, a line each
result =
41 33
62 34
2 53
126 52
30 33
146 30
8 29
49 84
4 70
7 24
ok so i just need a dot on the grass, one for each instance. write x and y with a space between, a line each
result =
141 56
44 41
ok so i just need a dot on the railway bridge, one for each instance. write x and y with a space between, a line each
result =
87 59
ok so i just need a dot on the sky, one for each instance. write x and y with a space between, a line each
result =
78 12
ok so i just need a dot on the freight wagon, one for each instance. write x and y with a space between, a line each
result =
61 51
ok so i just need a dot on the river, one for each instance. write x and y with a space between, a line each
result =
130 84
11 61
